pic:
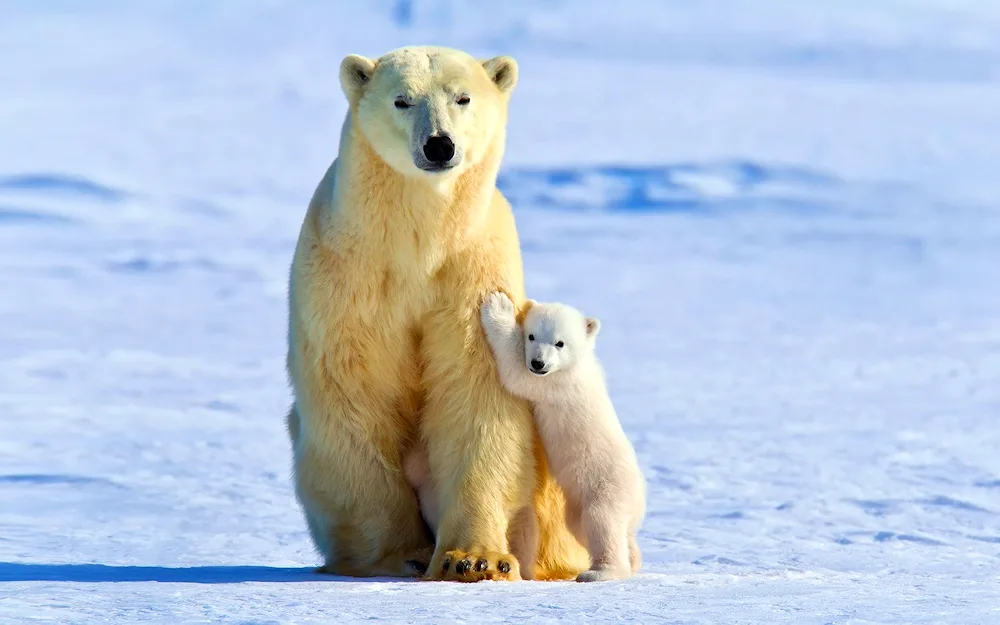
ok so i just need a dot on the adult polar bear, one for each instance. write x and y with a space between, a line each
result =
405 236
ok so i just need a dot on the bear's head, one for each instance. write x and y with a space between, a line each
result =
557 337
429 111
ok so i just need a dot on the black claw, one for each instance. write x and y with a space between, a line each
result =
463 566
504 567
445 565
482 565
418 566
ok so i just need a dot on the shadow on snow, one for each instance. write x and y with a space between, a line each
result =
98 573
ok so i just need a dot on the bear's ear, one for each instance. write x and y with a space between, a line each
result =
593 326
502 70
355 72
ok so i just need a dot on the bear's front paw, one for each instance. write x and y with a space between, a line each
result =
474 566
498 309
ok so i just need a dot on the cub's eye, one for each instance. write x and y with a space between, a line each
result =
401 103
462 99
531 337
560 344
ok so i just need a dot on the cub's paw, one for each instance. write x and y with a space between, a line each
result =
471 566
497 309
603 575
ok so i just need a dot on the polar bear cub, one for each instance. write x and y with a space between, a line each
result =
551 363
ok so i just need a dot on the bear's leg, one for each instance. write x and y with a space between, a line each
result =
417 470
483 470
362 513
317 528
480 446
524 540
608 542
634 553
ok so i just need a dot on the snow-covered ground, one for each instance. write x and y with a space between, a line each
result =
784 212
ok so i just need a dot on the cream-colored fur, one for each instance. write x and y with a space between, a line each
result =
417 469
592 459
523 534
385 346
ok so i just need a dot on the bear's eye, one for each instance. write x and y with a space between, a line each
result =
401 103
462 99
531 337
560 344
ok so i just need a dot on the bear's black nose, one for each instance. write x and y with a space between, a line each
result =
439 149
537 365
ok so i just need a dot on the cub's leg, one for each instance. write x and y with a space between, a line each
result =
608 542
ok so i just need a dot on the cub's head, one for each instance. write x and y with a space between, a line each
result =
557 337
429 111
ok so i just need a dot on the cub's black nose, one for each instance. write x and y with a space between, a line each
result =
537 365
439 149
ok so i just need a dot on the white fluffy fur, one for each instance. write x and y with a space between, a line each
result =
588 452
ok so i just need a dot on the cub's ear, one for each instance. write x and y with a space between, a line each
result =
593 326
528 303
355 72
502 70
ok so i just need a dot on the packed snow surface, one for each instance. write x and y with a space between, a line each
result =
785 214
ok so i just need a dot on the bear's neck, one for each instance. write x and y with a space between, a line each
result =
378 203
